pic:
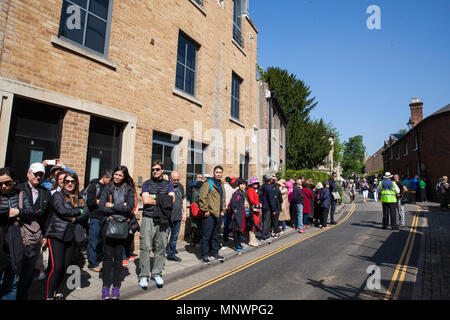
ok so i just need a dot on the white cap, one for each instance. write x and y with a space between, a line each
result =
37 167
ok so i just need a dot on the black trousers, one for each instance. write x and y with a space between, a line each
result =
237 239
60 257
390 213
275 224
267 224
112 261
324 216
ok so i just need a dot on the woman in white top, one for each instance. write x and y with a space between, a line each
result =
365 189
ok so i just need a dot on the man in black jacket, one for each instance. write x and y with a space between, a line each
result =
94 191
267 198
36 204
298 199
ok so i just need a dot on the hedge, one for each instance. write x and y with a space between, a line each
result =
316 176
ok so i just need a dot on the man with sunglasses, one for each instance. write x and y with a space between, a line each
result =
36 200
153 234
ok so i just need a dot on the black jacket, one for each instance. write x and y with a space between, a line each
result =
38 211
267 198
94 192
278 198
298 196
238 218
61 209
126 193
163 209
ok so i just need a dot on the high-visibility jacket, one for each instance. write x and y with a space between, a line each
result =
389 193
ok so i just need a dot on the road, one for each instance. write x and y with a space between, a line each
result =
353 260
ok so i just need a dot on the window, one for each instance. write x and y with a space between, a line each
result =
186 65
196 164
398 153
235 96
416 144
165 150
407 171
237 22
200 2
406 149
87 23
391 154
418 168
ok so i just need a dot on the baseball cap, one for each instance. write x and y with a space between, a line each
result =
37 167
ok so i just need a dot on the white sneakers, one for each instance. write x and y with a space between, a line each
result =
143 283
159 281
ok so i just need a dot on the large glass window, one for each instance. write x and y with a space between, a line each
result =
186 65
195 165
235 96
87 23
237 22
165 150
104 147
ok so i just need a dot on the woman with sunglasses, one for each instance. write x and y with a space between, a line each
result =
118 198
68 209
9 264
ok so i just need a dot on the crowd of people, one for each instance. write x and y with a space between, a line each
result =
44 223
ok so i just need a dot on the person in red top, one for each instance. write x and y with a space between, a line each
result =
253 197
307 204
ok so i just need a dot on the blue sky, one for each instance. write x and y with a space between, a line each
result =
362 79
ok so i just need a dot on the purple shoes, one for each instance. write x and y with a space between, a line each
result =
115 293
105 294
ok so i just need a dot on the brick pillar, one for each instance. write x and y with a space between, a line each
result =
74 142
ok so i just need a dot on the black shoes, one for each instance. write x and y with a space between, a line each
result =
174 258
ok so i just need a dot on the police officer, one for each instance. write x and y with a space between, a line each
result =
388 190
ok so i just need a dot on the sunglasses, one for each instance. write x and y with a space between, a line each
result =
8 183
156 169
70 181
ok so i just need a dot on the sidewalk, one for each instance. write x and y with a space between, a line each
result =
433 279
91 283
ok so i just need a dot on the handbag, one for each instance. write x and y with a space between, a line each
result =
336 195
196 212
117 227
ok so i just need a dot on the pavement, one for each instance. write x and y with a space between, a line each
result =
91 282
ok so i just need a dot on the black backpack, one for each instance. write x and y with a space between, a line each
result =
84 191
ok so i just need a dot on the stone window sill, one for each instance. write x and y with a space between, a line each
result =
82 52
237 122
239 47
187 97
199 7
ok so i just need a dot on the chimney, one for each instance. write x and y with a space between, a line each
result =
416 110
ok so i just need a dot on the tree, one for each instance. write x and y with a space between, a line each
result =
307 141
353 156
403 131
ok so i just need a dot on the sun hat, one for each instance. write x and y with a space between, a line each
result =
319 185
282 182
388 175
37 167
254 180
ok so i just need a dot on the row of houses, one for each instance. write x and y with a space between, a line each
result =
424 150
97 83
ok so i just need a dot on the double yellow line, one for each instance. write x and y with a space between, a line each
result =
227 274
404 260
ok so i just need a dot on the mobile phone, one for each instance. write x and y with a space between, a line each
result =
51 162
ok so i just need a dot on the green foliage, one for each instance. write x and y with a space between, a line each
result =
353 156
307 140
403 131
316 176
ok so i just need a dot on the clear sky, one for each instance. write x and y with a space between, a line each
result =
362 79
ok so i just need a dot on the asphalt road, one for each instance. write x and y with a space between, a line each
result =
354 260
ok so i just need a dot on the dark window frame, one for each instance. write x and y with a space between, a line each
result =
196 46
236 108
108 28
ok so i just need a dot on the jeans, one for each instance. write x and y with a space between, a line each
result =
211 232
95 226
283 225
27 273
401 211
226 225
305 218
300 216
8 284
333 209
174 229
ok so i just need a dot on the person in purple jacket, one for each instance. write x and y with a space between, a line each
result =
325 204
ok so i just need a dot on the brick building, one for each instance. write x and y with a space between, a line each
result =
99 83
374 162
272 132
424 150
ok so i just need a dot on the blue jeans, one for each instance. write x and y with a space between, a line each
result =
283 225
95 226
174 229
300 216
211 231
8 284
305 218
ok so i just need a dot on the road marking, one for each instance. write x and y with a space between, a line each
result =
403 265
254 261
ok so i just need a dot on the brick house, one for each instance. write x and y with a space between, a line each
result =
374 162
102 83
424 150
